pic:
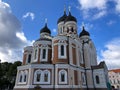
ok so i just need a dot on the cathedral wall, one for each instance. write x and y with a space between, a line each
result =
74 55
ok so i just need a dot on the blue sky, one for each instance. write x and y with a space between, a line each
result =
21 21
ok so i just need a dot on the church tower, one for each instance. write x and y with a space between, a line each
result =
63 62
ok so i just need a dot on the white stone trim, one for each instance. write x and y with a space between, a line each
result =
23 73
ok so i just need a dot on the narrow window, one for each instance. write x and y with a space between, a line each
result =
46 77
44 54
62 77
62 50
25 78
38 77
29 58
20 78
35 53
97 79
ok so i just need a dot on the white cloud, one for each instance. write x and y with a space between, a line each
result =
21 36
100 14
117 6
111 22
29 14
93 8
12 38
112 54
91 4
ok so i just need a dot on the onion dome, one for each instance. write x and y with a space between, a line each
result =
45 29
70 18
84 33
61 19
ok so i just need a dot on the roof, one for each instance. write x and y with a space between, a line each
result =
62 18
101 65
45 29
70 18
84 33
114 70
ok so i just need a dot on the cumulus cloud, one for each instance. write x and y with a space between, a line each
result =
112 54
29 14
117 6
91 4
12 38
91 7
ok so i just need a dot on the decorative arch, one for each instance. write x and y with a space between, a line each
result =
42 77
23 75
62 77
37 76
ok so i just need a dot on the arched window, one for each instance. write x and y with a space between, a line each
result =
62 50
97 79
47 76
35 54
29 58
62 77
37 76
25 76
44 54
20 78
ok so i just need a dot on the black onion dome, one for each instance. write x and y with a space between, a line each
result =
62 18
45 29
84 33
70 18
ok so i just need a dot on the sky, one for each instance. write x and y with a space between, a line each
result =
22 20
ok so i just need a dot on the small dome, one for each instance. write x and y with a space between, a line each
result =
61 19
45 29
70 18
84 33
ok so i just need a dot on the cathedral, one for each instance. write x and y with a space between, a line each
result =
67 61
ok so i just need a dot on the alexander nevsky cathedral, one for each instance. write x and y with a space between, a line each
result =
67 61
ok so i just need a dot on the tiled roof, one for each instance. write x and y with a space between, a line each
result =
115 70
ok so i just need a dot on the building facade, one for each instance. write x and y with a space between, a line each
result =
114 77
63 62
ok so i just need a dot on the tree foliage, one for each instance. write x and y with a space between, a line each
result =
8 73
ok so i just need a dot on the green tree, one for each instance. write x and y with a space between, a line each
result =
8 73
